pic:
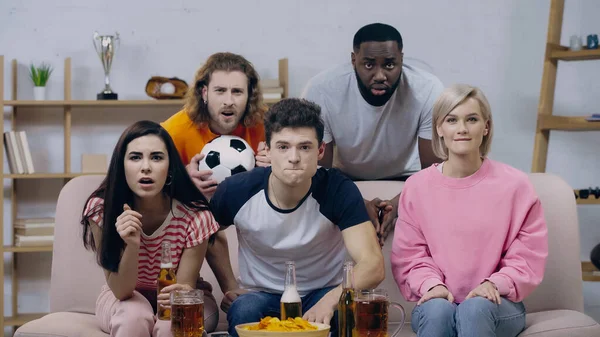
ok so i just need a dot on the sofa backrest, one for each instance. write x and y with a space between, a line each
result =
562 287
76 278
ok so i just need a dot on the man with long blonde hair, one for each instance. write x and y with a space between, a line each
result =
225 99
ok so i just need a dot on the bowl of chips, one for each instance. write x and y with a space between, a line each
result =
273 326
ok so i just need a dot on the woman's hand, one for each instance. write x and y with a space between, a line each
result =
164 298
129 226
438 291
487 290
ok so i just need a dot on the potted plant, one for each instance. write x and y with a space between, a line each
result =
39 76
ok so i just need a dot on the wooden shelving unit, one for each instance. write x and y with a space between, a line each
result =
69 106
546 121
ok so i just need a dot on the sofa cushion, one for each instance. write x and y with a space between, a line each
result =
555 323
53 325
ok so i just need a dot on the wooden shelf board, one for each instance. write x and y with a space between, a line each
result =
31 249
588 201
589 272
566 123
271 101
565 54
92 103
107 103
50 175
591 200
20 319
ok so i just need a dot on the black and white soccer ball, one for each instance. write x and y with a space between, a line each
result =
225 156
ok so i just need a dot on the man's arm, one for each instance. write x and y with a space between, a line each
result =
361 243
217 257
327 160
426 154
218 253
369 270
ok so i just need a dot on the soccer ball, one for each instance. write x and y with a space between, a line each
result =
226 156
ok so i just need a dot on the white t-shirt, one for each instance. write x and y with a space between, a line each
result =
375 142
310 234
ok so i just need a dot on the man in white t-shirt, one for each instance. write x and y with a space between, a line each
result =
294 210
377 113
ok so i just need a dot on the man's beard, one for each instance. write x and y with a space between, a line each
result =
216 122
374 99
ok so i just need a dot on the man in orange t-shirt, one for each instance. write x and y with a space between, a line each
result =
224 100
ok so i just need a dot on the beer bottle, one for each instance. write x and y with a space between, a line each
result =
166 277
346 303
291 304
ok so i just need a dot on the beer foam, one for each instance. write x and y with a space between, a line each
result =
166 265
290 295
187 301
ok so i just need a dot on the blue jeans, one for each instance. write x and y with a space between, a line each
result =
475 317
253 306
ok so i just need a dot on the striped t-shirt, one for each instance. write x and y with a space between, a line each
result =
183 227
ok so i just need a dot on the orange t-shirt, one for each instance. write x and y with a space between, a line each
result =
190 139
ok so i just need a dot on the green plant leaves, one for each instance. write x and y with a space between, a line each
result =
39 75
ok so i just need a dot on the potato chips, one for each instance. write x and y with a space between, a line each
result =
275 324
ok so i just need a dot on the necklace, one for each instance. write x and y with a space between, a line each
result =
274 194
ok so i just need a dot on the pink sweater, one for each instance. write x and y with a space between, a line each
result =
462 231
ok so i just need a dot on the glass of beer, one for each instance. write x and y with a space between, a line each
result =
187 313
371 313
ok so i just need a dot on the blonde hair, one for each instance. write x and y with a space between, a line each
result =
450 98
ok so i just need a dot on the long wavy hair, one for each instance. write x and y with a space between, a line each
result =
115 192
198 110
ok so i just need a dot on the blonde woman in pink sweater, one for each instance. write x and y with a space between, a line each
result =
471 240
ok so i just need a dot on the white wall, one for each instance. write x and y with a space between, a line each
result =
497 45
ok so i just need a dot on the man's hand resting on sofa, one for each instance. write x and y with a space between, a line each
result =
230 296
383 215
388 219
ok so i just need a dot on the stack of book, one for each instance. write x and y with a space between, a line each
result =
18 152
34 232
593 118
271 89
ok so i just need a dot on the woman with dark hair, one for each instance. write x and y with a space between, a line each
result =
146 198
